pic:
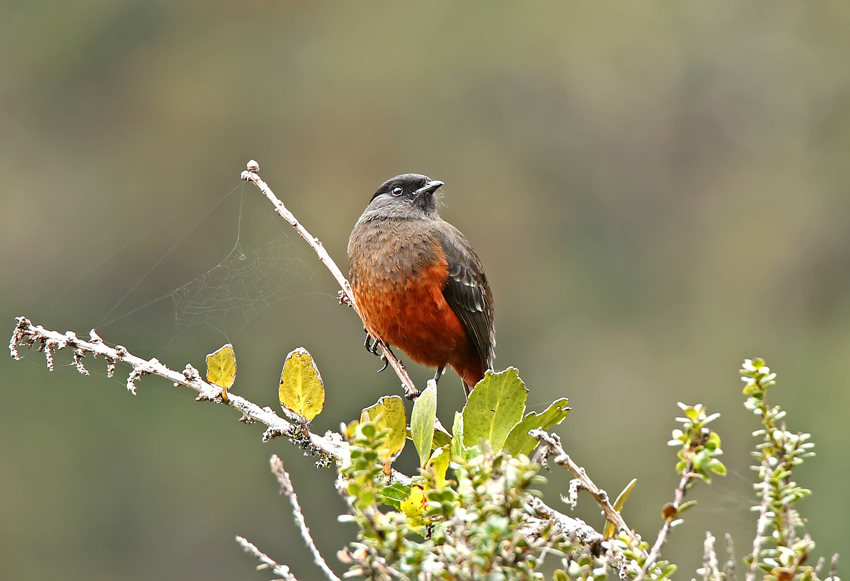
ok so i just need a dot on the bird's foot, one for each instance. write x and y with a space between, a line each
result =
371 344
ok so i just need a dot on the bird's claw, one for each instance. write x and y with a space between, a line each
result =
371 344
386 363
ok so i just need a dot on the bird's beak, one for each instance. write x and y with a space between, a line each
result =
430 187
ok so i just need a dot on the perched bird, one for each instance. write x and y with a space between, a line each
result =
418 283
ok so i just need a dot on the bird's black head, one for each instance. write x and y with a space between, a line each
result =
407 192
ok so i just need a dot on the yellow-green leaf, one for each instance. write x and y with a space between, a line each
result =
494 408
439 463
414 506
422 421
301 390
388 413
221 368
609 529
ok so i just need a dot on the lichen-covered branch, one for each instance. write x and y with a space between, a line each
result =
552 447
328 449
569 527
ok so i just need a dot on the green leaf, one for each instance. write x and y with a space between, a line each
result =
422 421
718 468
495 406
713 442
394 493
301 388
685 506
221 368
458 449
388 413
519 442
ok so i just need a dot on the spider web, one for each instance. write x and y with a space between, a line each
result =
268 263
229 295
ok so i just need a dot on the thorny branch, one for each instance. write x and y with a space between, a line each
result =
286 488
251 175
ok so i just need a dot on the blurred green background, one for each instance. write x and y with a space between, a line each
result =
657 190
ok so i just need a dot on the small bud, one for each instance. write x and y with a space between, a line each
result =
253 166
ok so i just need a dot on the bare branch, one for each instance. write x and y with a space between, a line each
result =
552 447
251 175
287 489
328 449
267 561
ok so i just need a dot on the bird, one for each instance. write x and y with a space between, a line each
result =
418 283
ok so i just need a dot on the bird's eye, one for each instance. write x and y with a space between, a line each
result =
397 191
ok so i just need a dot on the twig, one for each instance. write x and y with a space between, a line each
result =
552 447
251 175
287 489
729 567
655 552
328 448
276 567
711 569
833 572
761 526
